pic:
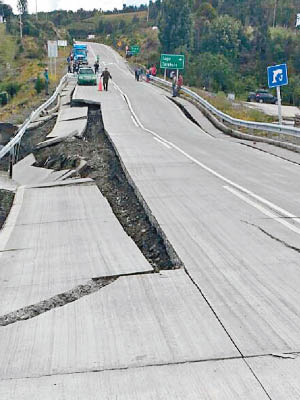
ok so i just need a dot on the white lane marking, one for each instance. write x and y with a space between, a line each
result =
262 209
134 121
208 169
161 142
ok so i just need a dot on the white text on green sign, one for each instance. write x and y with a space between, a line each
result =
172 61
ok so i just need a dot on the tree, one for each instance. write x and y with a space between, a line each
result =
174 24
224 37
23 10
22 7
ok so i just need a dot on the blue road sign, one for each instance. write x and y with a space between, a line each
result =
277 75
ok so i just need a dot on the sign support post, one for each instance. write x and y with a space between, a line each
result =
171 61
279 105
278 76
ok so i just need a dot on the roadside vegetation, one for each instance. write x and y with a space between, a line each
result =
228 44
22 64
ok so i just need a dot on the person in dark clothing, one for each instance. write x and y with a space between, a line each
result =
96 67
46 76
106 75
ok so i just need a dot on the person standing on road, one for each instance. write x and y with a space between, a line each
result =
69 64
106 76
136 74
46 76
153 70
96 67
179 84
174 84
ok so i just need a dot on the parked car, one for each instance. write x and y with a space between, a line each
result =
262 96
86 76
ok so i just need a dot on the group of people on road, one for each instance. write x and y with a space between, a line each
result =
73 66
177 81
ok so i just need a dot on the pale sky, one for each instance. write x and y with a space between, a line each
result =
49 5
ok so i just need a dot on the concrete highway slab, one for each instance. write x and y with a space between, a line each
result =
135 321
222 380
57 235
25 174
87 94
207 229
210 128
279 375
52 204
85 247
73 113
66 128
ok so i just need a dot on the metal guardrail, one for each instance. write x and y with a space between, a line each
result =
279 129
18 137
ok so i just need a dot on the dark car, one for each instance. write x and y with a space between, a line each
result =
262 96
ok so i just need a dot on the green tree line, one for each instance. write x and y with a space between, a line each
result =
229 43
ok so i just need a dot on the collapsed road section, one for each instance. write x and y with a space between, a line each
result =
103 165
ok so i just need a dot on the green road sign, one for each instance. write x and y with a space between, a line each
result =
135 49
171 61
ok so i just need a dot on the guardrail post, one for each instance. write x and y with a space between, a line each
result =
11 161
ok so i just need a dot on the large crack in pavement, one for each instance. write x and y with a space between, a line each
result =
189 115
104 167
59 300
289 246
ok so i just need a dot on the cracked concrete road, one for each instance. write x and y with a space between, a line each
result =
216 328
201 190
58 236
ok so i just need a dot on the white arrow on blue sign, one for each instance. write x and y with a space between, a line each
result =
277 75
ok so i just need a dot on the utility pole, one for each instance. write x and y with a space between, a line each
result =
36 8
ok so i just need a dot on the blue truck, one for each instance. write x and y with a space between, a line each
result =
80 53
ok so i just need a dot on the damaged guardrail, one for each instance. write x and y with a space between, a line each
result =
279 129
18 137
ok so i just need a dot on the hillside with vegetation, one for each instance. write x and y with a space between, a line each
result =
22 63
228 44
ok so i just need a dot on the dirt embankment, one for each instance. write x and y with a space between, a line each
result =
6 200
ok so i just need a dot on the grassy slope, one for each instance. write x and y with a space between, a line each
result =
118 17
8 47
92 23
24 70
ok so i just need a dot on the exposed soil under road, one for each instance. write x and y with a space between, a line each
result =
6 200
104 167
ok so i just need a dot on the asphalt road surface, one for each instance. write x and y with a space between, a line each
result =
224 326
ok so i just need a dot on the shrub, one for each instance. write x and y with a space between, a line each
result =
39 84
12 88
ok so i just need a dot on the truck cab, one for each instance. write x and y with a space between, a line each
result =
80 53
